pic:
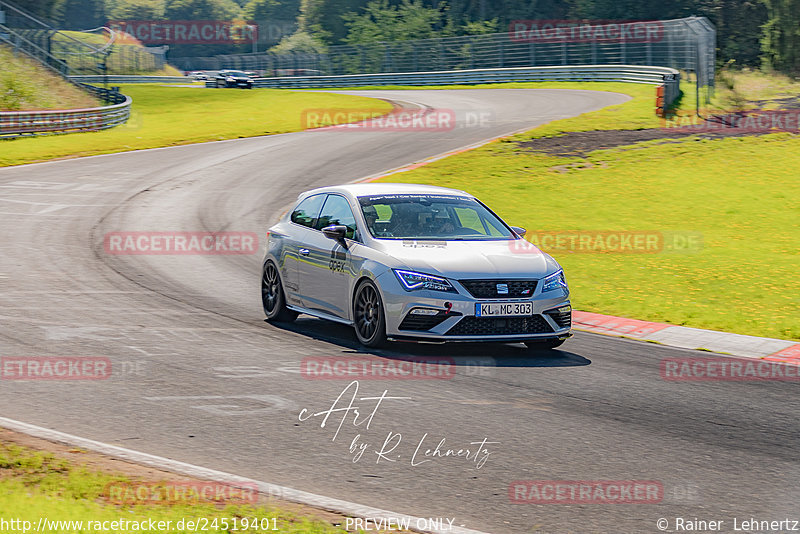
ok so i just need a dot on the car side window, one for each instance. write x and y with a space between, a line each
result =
306 213
336 211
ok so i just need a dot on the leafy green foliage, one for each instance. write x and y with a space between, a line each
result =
382 21
781 41
201 10
135 9
79 14
272 10
299 42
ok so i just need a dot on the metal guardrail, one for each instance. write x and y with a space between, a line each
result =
669 78
19 123
124 78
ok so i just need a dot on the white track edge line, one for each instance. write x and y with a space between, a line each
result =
302 497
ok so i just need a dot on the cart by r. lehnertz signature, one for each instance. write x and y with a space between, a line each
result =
360 412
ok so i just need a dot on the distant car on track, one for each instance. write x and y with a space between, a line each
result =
233 78
404 261
198 75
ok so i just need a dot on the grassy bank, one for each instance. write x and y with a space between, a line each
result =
739 194
35 484
166 116
26 85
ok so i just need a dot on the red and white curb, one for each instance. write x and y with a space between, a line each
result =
271 490
776 350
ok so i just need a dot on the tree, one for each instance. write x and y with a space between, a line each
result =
781 39
79 14
480 27
384 22
201 10
299 42
739 29
269 10
506 11
323 18
135 9
40 8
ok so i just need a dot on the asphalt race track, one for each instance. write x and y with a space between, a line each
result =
200 377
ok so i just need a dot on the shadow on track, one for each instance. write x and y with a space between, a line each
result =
462 354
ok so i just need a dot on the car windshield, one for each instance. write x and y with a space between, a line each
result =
437 217
236 73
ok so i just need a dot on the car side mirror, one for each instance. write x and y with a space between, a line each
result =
335 232
519 230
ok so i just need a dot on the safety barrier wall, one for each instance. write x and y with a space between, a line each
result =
669 78
19 123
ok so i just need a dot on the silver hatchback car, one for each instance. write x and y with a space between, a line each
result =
412 262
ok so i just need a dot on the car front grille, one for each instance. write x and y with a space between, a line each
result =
562 319
487 289
495 326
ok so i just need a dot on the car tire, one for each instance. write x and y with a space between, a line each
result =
369 319
272 296
544 345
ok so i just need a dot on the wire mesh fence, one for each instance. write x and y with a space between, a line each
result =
73 53
687 44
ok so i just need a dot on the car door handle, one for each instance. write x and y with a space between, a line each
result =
303 251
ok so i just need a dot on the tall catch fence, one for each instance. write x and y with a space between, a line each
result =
72 53
687 44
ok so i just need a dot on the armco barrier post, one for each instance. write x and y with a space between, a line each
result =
661 107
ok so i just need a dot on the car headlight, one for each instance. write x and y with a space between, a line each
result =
412 281
554 281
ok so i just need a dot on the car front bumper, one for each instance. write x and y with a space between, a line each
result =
456 319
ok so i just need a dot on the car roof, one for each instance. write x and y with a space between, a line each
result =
367 189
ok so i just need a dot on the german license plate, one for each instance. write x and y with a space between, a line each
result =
503 309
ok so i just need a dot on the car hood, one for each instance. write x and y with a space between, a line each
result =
470 259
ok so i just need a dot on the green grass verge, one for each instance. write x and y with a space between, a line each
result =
741 194
26 85
37 485
165 116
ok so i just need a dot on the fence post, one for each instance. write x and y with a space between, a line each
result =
472 51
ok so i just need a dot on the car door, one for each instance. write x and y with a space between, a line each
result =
326 273
294 250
